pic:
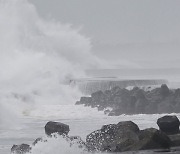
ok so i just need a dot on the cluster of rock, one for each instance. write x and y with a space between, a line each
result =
124 136
135 101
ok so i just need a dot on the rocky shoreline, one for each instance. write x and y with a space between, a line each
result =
124 136
119 101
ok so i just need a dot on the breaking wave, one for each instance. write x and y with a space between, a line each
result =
38 57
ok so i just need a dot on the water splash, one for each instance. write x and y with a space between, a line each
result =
38 57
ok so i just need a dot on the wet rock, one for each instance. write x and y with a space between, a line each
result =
20 149
113 137
128 125
169 124
151 138
56 127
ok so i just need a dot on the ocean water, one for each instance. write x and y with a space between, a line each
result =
38 58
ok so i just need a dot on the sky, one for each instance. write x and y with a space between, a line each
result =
132 33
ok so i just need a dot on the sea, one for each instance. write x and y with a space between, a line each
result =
39 58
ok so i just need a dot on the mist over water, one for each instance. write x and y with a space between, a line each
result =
38 57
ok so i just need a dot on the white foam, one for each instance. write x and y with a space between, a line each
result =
38 57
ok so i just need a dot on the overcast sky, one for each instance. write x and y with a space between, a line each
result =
142 32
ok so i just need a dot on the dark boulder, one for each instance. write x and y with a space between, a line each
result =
151 138
21 149
113 137
169 124
56 127
128 125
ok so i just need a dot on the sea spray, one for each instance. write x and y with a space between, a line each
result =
56 145
38 57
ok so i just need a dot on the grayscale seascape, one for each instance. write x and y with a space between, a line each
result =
56 53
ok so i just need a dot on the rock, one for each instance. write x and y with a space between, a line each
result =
86 100
151 138
96 96
151 108
139 94
165 107
115 90
140 105
128 125
113 137
20 149
154 95
164 90
169 124
175 140
131 105
56 127
177 107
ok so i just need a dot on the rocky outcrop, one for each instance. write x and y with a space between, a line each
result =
135 101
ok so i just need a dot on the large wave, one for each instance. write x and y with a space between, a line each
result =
38 57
